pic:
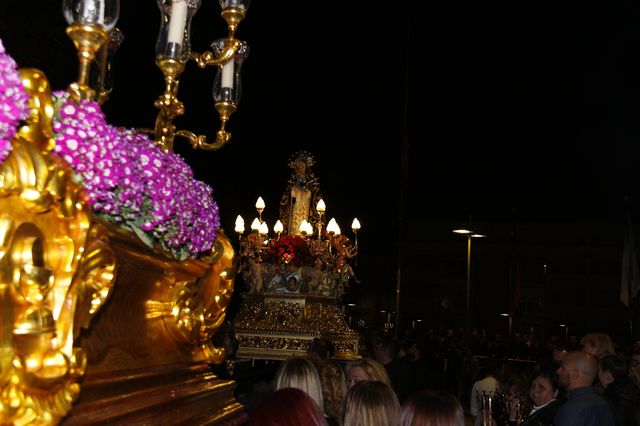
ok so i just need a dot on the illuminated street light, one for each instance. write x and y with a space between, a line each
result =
470 233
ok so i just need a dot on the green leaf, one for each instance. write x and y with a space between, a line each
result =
144 237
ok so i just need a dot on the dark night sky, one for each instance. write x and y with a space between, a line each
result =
503 105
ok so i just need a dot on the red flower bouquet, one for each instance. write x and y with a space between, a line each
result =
289 250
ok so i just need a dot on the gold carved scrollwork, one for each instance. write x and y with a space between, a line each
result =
277 326
55 272
199 306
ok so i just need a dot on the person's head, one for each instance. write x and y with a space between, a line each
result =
413 348
287 407
431 408
578 369
489 367
371 403
321 347
612 368
334 385
597 344
366 369
544 387
292 283
516 381
386 350
302 374
559 351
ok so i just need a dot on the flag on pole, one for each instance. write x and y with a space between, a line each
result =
630 283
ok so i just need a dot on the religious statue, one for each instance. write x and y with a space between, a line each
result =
301 195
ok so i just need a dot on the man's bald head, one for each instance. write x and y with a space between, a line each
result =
578 369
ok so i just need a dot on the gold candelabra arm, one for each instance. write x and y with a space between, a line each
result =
87 38
225 109
233 16
168 104
231 46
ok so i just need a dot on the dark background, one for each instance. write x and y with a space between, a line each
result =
416 112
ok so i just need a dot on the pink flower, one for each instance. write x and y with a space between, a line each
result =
13 102
131 181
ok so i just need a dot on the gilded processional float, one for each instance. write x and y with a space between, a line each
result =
114 272
295 278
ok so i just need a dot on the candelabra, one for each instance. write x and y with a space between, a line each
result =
90 25
326 252
486 402
319 257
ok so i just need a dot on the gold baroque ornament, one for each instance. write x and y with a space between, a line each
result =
56 271
278 326
198 308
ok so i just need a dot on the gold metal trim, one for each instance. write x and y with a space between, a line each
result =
56 270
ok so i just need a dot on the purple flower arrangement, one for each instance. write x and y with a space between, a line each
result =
13 102
129 180
133 182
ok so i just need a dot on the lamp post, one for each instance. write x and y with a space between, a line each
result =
470 233
510 321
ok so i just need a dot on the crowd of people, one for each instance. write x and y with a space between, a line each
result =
424 382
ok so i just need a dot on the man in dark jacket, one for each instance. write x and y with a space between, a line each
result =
399 369
584 407
620 390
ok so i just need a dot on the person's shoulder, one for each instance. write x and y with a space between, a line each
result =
552 408
565 414
556 403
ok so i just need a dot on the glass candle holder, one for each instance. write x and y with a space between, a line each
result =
174 37
227 85
234 4
104 13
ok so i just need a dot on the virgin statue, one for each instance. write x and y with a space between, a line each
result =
301 195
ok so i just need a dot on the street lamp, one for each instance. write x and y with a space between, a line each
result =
470 233
510 318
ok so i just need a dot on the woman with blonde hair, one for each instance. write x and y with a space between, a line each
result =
371 403
300 373
334 387
597 344
432 408
366 369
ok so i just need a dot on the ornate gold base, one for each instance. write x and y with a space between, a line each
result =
278 326
162 395
147 353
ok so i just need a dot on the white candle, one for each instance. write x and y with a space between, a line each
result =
85 15
92 12
101 12
227 75
177 21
